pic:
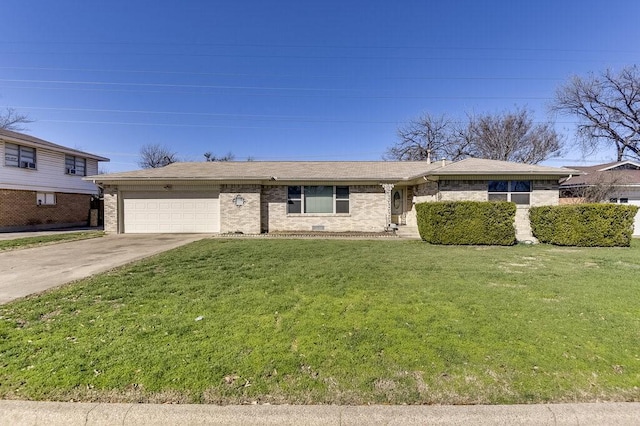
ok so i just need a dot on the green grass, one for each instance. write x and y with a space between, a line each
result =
327 321
28 242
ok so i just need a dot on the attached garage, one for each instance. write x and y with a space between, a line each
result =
171 212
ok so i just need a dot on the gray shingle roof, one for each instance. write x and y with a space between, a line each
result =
478 166
282 170
389 171
603 174
15 137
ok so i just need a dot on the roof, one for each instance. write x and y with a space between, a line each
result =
281 170
617 173
478 166
21 138
371 171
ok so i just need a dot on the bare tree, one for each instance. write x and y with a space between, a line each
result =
603 187
608 109
209 156
156 155
427 137
10 119
510 136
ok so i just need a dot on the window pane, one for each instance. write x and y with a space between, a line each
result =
294 206
342 192
497 197
11 155
498 186
521 186
69 162
522 199
342 206
27 154
318 199
80 166
294 192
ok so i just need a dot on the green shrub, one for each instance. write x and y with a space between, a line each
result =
584 225
467 222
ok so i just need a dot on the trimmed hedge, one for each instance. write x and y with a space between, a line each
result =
467 222
584 225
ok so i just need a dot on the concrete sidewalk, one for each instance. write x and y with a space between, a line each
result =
59 413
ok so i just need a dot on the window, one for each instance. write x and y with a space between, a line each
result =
46 198
619 200
516 191
75 165
318 199
19 156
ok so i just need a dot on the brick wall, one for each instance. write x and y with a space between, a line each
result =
426 192
19 210
245 218
111 210
545 193
463 190
367 212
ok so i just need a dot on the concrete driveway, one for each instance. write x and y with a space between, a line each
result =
29 271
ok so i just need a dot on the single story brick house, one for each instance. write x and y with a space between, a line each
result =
361 196
41 183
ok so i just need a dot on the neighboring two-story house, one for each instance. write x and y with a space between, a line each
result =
41 183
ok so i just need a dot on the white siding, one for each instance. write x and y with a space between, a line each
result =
49 175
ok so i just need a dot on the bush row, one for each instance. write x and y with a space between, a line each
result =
467 222
584 225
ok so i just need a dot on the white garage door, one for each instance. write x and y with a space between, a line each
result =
171 212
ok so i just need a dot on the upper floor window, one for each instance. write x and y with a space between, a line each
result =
19 156
516 191
318 199
75 165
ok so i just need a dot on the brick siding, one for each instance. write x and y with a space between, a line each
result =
245 218
367 212
19 210
111 210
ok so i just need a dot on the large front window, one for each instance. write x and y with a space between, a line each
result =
516 191
317 199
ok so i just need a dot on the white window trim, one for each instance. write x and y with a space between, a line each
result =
46 198
302 204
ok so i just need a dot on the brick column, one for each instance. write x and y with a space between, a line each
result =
111 210
388 188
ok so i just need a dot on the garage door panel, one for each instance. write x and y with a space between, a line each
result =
175 212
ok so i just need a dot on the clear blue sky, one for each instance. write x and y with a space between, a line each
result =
292 80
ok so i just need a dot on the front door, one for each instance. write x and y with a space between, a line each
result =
397 205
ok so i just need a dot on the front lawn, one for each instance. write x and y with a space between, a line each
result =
335 321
